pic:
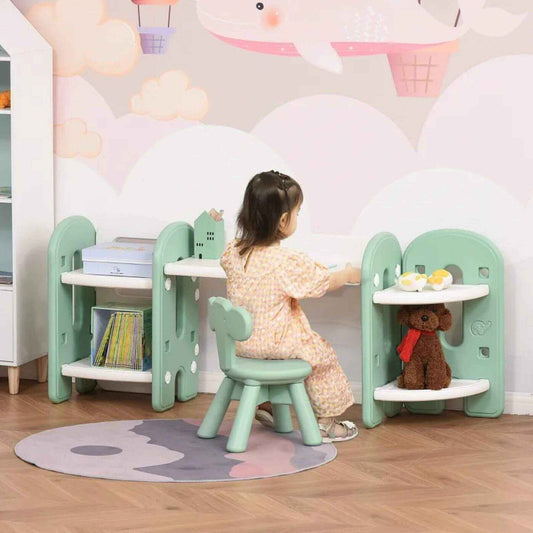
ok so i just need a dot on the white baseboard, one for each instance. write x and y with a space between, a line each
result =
516 403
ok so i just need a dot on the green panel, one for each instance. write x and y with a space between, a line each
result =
5 75
483 319
380 330
69 323
175 322
5 150
209 237
6 238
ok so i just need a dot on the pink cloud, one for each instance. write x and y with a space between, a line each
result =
72 139
82 36
124 140
170 96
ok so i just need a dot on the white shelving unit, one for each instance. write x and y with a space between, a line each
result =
458 388
455 293
26 165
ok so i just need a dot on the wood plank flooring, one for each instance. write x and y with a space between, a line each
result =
447 473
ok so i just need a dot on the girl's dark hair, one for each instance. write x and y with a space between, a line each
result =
268 196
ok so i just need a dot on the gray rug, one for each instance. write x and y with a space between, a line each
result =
168 451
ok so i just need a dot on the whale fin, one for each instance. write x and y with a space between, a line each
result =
489 21
321 55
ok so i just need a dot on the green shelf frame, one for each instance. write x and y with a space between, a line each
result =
481 353
175 315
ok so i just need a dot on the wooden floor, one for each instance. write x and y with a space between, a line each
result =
414 473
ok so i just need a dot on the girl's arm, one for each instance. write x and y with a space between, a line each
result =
349 275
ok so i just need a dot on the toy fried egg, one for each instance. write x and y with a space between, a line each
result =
440 280
411 281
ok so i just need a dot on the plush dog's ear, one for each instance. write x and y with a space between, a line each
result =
445 318
403 316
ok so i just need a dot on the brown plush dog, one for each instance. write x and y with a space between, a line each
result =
421 350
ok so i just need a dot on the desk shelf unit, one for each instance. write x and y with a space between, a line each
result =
175 317
26 167
477 362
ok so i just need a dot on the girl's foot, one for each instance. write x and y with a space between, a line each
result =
264 415
337 431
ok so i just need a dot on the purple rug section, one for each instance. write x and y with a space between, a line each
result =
168 451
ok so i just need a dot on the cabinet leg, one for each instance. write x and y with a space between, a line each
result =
13 377
42 368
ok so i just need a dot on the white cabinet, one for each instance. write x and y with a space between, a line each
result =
26 165
6 326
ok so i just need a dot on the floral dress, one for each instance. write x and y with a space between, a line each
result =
267 282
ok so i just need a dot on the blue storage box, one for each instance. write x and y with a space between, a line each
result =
119 259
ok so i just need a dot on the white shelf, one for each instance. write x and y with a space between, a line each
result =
459 388
208 268
5 111
199 268
83 369
456 293
77 277
6 288
6 201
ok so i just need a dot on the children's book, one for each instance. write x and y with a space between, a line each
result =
6 278
122 343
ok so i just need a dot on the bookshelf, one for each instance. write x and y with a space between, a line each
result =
175 317
26 166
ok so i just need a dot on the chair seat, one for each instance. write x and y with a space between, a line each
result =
270 371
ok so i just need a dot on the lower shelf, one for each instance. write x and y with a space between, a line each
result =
459 388
83 369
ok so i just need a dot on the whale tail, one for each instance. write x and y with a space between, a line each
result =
489 21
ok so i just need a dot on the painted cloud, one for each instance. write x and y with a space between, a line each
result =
72 139
83 37
170 96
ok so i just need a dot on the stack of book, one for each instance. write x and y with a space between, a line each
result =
6 278
5 192
122 345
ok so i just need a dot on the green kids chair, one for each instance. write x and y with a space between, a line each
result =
254 381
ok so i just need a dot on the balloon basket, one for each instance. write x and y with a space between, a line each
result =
155 40
420 73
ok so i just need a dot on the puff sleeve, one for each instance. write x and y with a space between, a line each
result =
225 258
300 277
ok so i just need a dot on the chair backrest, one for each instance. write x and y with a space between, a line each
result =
230 324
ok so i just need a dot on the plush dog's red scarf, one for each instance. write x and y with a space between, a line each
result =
406 347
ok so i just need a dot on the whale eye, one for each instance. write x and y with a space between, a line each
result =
260 6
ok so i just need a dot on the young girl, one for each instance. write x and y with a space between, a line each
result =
268 280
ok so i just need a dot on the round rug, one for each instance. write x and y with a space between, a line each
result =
168 451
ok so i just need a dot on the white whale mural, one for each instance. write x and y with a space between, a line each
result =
417 44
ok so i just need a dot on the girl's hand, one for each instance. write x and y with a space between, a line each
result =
216 215
339 279
353 275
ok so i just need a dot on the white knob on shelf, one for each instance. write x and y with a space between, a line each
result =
168 377
197 294
168 284
376 281
197 350
193 279
398 271
194 367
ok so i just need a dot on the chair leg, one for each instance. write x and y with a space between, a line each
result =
282 418
238 439
217 410
304 412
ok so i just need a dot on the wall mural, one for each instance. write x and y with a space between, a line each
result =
163 108
417 45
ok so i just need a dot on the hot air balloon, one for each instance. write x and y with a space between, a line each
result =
154 39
